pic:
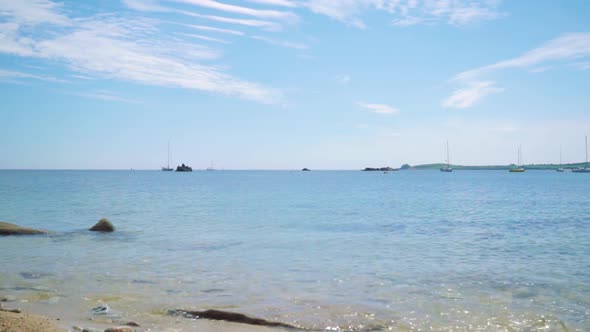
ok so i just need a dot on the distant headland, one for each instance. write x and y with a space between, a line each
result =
481 167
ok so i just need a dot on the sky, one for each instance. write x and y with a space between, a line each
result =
287 84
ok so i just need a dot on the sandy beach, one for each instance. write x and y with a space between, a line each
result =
22 322
18 321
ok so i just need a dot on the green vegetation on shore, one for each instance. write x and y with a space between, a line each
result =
498 167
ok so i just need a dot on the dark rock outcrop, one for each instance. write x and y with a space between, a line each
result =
228 316
12 229
184 168
383 169
306 169
103 225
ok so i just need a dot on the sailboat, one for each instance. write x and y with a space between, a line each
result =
448 167
585 169
519 168
210 168
167 168
560 169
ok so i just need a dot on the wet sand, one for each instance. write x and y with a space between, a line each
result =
27 322
22 322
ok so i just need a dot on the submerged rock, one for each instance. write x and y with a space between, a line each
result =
12 229
227 316
103 225
119 329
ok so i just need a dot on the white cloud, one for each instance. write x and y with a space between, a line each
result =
11 74
537 70
150 6
238 21
342 79
470 95
206 38
379 108
31 12
282 43
409 12
104 95
569 46
114 47
284 3
259 13
215 29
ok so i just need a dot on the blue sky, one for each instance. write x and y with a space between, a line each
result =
286 84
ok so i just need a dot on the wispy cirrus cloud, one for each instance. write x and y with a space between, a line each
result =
379 108
242 10
283 3
409 12
32 12
115 47
104 95
215 29
470 94
206 38
151 6
569 48
16 75
282 43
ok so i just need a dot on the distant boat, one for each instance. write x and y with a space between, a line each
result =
167 168
448 167
560 169
210 168
184 168
519 168
585 169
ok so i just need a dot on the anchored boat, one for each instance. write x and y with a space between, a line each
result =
519 168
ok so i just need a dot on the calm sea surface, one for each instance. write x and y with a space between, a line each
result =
350 250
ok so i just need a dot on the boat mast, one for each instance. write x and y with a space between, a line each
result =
586 166
448 159
560 163
168 154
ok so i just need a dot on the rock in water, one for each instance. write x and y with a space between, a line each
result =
119 329
228 316
103 225
12 229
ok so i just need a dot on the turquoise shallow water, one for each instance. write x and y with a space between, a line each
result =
409 250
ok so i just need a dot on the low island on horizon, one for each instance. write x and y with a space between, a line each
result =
437 166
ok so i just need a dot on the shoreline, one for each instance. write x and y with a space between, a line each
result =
38 319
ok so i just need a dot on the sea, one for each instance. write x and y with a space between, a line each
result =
320 250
